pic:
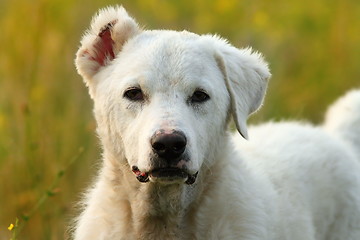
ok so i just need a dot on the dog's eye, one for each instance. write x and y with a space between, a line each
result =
199 96
134 94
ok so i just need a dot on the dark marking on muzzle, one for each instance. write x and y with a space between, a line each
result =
141 176
191 179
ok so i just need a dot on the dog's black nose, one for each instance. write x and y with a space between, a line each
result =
169 146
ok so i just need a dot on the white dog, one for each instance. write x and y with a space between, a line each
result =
172 169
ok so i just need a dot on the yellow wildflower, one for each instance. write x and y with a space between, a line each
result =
11 227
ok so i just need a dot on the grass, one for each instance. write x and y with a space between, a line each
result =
45 112
17 228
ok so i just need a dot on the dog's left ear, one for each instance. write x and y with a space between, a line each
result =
246 74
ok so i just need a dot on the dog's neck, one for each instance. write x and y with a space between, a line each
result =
159 210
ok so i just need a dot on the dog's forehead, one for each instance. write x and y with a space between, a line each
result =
168 57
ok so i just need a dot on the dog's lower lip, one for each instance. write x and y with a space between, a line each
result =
168 173
173 174
165 175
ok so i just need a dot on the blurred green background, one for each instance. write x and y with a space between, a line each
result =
313 47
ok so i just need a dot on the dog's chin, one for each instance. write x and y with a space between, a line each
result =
165 176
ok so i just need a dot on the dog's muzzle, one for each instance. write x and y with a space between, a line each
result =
168 147
165 175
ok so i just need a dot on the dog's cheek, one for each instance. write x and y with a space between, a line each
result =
210 130
132 131
111 121
131 146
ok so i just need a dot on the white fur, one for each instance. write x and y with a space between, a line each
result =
290 181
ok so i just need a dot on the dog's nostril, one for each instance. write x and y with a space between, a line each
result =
179 146
169 146
158 146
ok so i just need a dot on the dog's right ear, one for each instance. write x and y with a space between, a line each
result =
110 28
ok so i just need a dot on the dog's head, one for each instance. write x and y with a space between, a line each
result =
163 99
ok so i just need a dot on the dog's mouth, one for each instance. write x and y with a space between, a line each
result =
165 175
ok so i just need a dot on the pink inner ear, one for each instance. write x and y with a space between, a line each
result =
104 46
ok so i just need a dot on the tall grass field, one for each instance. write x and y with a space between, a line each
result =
48 146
